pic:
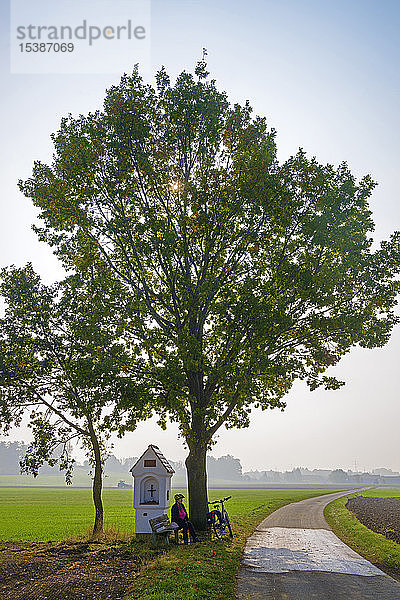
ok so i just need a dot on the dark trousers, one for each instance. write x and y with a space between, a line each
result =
186 527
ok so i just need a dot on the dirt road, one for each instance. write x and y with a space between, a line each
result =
294 555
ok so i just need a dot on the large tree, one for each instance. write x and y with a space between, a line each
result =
247 273
62 365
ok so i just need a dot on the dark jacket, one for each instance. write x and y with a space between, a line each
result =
175 513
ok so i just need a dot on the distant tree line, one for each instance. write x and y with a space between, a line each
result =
224 468
11 453
323 476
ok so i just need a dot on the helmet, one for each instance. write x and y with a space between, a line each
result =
178 496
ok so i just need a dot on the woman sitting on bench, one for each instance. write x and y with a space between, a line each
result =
180 517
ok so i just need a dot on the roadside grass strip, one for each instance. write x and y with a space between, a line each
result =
380 551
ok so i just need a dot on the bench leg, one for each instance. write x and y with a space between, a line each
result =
155 537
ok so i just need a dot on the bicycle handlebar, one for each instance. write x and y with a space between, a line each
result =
221 500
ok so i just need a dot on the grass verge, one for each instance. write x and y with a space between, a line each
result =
382 552
208 570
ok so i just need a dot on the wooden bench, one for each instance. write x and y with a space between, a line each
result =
162 526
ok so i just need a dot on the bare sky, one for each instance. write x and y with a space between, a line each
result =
326 76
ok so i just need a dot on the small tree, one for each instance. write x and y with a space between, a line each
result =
249 273
61 362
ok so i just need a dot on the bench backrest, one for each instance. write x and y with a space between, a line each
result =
158 523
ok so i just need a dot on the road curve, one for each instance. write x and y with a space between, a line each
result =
294 555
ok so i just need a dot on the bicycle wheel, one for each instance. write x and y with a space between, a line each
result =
217 527
228 524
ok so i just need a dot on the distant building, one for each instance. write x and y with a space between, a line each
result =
123 484
385 472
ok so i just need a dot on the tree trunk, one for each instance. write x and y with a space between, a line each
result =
97 482
197 485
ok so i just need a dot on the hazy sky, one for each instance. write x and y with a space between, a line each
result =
326 76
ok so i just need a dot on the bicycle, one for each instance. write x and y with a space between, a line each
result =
219 519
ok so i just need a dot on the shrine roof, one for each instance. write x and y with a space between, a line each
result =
160 457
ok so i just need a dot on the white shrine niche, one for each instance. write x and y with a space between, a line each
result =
152 475
149 491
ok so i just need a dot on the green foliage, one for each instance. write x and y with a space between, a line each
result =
61 362
248 273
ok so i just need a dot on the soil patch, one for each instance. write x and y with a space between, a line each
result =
67 570
382 515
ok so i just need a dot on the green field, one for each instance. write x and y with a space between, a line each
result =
373 546
32 514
